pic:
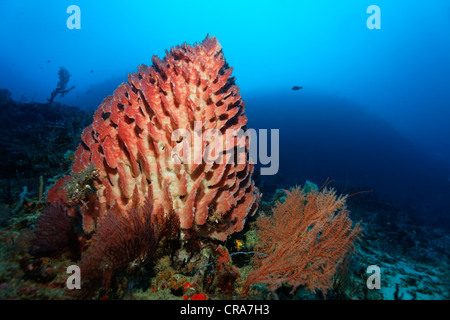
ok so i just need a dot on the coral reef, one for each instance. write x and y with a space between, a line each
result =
131 144
418 271
61 87
33 140
305 240
118 210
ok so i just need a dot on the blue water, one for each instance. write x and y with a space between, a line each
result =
375 105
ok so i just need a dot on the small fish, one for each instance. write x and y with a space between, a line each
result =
92 71
295 88
48 61
239 244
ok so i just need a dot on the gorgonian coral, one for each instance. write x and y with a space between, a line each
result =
121 239
139 145
53 232
304 242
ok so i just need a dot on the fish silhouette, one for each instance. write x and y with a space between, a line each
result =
295 88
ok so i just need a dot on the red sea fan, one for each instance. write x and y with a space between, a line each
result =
304 242
53 232
131 145
120 240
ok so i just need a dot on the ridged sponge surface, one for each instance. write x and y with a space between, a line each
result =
157 137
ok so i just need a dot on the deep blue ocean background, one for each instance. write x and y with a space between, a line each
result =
374 110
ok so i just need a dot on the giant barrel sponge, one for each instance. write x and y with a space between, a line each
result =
129 147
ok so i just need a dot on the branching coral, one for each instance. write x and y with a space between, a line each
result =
132 140
61 87
53 232
305 240
120 240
